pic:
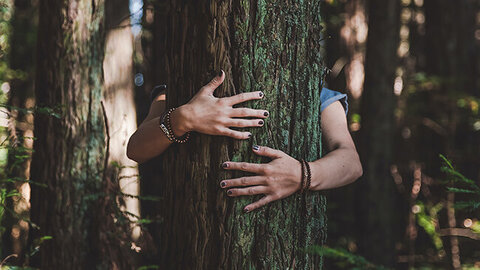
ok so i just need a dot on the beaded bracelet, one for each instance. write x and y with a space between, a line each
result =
306 174
302 181
166 126
309 176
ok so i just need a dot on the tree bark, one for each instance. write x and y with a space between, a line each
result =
376 199
271 46
71 151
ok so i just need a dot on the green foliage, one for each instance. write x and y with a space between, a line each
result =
148 267
344 258
428 221
468 186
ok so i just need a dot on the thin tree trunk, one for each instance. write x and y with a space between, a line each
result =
272 46
120 104
376 199
71 151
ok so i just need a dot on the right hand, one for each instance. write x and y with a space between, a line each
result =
207 114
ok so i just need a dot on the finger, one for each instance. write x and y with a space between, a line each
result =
247 112
267 152
262 202
243 166
248 191
239 135
243 97
243 181
245 123
214 83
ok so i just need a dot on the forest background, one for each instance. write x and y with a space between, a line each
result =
414 117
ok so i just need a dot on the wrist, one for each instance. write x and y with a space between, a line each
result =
180 121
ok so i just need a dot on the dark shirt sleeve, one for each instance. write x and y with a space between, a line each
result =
328 97
156 91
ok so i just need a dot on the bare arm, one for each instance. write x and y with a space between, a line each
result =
217 116
341 166
148 140
281 177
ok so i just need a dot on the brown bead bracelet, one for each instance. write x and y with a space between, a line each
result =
302 181
306 174
166 126
309 176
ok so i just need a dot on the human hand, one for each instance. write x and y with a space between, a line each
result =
208 114
277 179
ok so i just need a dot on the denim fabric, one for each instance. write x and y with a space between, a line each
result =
156 91
328 97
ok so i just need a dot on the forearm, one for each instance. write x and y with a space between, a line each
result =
338 168
150 141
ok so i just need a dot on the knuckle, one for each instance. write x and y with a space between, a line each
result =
222 121
243 166
269 180
243 181
251 191
237 123
244 112
266 170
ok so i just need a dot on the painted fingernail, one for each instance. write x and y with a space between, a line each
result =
265 113
225 165
246 210
249 135
220 73
261 94
229 192
256 147
260 122
222 184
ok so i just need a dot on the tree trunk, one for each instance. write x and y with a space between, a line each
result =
376 200
76 208
24 25
271 46
120 104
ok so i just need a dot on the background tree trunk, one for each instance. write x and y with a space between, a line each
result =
272 46
70 151
120 104
376 200
21 59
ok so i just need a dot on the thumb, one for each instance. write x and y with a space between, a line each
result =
214 83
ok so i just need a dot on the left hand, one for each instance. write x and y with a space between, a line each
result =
277 179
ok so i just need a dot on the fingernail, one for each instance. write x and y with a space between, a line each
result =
260 122
225 165
256 147
220 73
265 113
229 192
261 94
222 184
246 210
249 135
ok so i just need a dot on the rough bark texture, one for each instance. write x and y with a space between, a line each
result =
272 46
75 207
376 200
